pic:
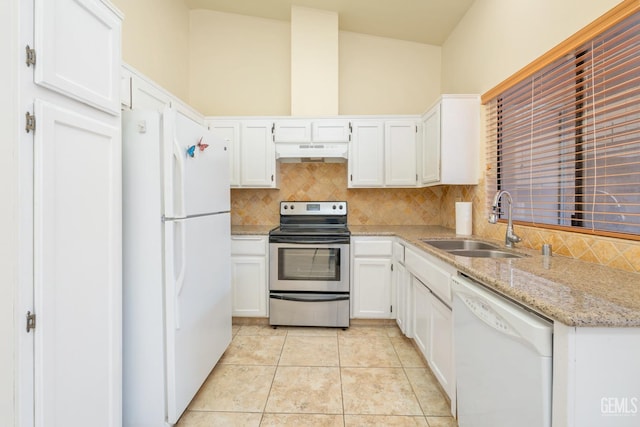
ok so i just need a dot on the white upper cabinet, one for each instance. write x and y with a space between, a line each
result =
400 153
230 132
451 139
330 130
366 154
77 46
292 131
257 155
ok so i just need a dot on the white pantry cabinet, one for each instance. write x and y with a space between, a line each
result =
70 371
371 291
450 141
249 278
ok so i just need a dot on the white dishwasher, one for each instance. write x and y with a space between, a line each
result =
503 360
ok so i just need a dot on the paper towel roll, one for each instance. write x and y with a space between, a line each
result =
463 218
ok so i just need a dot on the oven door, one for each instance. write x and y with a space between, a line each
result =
309 267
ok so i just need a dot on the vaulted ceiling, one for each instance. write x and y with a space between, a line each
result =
423 21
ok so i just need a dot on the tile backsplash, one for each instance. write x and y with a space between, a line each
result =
429 206
328 181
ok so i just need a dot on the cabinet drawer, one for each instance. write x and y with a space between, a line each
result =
434 276
249 245
372 248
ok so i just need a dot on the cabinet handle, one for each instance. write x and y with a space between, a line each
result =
271 178
351 177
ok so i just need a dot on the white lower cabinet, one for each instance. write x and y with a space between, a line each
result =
401 285
441 344
371 292
249 278
421 315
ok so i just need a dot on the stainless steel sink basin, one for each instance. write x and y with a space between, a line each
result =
471 248
485 253
460 244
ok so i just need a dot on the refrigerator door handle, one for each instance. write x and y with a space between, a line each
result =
178 180
180 255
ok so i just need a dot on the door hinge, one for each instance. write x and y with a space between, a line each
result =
271 178
390 309
391 267
416 128
351 177
31 321
30 122
31 56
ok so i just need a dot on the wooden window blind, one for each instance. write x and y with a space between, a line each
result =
565 141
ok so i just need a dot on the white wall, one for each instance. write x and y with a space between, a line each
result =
155 36
9 201
379 75
496 38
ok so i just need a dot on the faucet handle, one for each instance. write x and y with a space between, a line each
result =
493 218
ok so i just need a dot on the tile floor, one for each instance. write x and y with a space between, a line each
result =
364 376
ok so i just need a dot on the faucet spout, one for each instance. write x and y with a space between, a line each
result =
510 237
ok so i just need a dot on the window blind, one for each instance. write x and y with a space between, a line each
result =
565 141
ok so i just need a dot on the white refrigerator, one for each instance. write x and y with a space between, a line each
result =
176 263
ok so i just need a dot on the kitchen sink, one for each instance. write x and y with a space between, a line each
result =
460 244
485 253
471 248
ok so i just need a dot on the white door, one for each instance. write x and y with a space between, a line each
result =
422 315
249 285
198 304
257 154
78 51
441 344
400 153
366 155
77 269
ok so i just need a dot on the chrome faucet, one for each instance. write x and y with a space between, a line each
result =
510 238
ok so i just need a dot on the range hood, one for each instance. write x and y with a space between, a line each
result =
333 152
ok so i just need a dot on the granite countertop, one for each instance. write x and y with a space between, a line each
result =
256 230
573 292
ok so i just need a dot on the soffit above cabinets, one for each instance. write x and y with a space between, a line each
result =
423 21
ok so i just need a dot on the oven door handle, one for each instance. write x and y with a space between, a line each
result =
297 241
310 298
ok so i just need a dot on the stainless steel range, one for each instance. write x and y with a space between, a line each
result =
309 265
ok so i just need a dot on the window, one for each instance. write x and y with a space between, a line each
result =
565 140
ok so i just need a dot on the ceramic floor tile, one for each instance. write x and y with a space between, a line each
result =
253 350
309 351
261 330
384 421
407 353
442 422
364 331
394 331
298 420
234 330
305 390
219 419
367 351
382 391
426 388
301 330
235 388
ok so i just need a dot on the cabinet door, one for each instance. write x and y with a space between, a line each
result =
366 155
400 154
78 51
372 288
292 131
257 155
422 315
331 131
404 299
249 286
431 147
441 344
230 132
77 269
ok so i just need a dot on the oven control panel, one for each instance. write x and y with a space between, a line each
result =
313 208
